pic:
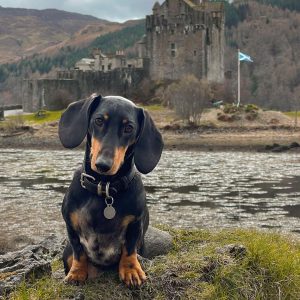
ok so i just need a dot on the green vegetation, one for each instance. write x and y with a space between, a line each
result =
68 56
155 107
200 266
292 114
39 118
238 13
235 14
121 39
285 4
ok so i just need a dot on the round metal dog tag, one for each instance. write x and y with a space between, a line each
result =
109 212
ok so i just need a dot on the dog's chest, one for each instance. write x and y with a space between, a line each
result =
101 238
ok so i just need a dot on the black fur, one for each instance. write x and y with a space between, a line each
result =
96 234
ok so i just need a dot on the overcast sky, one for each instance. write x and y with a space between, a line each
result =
113 10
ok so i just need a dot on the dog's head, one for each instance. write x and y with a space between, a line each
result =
114 125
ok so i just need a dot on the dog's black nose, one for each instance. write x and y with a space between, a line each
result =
103 165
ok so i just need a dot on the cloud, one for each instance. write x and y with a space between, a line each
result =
114 10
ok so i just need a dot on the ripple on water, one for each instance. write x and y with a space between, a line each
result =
187 189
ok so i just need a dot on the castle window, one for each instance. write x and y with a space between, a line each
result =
103 67
109 67
195 52
208 39
173 49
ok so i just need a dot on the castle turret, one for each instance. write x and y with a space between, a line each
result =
156 8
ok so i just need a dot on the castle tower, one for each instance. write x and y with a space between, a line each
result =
186 37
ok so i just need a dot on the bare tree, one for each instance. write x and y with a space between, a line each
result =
189 97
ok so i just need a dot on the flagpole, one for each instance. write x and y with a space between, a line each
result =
239 79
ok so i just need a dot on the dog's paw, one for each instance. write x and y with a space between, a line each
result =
131 273
76 277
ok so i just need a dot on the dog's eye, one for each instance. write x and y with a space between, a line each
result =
128 128
99 122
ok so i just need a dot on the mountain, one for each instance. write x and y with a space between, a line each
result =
24 32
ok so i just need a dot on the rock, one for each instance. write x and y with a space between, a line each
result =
281 149
33 260
271 147
294 145
157 242
233 250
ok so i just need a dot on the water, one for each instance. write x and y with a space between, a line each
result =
187 189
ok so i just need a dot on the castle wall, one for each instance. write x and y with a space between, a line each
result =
77 84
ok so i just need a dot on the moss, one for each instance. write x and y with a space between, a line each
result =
198 267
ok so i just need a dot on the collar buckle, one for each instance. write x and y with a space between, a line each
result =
83 176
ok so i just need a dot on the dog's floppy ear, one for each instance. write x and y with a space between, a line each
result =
74 122
149 144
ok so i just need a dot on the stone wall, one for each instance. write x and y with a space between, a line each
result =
183 38
76 85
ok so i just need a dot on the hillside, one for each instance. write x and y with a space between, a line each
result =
270 35
24 32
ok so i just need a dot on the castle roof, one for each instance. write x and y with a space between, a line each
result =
208 6
189 2
156 5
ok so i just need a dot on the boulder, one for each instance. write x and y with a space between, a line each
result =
157 242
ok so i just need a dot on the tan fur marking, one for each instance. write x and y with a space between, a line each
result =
125 121
106 117
118 160
74 219
70 261
130 270
78 271
93 272
95 149
127 220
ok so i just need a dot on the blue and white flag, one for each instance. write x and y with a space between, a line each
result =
244 57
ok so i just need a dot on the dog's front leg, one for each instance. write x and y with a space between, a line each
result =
78 272
130 270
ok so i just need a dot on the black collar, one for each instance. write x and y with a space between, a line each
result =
105 186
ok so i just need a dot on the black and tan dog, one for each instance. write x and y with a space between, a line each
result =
105 206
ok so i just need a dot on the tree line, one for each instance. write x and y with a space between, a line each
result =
68 56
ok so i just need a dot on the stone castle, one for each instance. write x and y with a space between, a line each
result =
182 37
186 37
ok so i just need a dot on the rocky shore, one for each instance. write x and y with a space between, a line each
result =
201 138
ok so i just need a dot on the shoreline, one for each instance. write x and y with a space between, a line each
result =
222 139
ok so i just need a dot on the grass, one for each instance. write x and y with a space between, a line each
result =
198 267
292 114
155 107
46 116
52 116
